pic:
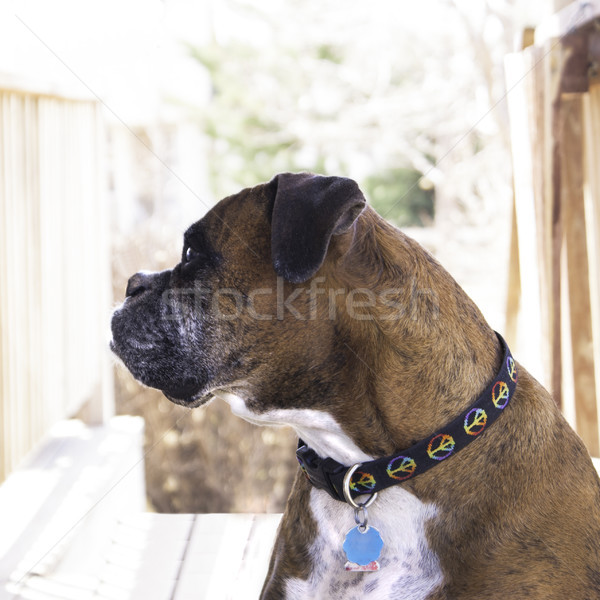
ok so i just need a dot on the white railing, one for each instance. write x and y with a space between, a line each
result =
55 289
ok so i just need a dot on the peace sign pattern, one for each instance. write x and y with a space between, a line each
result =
381 473
362 482
511 368
475 421
441 446
401 468
500 395
460 432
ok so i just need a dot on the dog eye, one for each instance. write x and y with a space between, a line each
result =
190 254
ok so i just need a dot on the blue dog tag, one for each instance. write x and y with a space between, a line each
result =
362 548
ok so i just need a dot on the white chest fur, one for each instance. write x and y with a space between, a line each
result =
409 569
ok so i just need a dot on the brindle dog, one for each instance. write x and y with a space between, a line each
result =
299 305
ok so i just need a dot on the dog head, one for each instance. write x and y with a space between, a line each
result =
222 318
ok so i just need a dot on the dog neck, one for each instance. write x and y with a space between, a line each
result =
406 377
380 384
344 482
383 415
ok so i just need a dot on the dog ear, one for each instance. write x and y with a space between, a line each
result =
307 210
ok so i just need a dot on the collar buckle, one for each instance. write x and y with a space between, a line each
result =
324 473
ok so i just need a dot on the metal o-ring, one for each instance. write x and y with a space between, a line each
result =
347 495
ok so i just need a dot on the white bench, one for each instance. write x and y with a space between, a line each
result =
73 527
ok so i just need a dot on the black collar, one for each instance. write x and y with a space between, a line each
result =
376 475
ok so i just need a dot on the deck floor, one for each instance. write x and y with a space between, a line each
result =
166 557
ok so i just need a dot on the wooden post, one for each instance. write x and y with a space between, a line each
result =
573 219
513 295
528 343
540 117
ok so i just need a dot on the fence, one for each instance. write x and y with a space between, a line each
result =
554 300
54 267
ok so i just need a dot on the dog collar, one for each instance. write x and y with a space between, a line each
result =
372 476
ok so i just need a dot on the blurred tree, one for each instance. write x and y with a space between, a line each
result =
303 96
388 88
385 189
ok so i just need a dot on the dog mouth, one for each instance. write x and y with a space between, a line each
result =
188 391
187 396
155 357
190 402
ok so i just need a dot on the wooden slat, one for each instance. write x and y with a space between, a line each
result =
4 296
257 554
228 557
517 67
145 557
592 213
544 82
33 307
513 296
573 217
553 60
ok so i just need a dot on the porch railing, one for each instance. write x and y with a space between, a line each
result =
54 267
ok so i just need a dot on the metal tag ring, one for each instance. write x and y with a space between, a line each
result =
348 497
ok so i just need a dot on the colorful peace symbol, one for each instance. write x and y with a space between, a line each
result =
401 468
365 482
500 394
475 421
441 446
512 368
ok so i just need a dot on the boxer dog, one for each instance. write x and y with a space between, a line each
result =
298 305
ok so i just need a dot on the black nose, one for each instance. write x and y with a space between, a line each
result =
147 281
137 284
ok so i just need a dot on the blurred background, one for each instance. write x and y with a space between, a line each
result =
122 122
